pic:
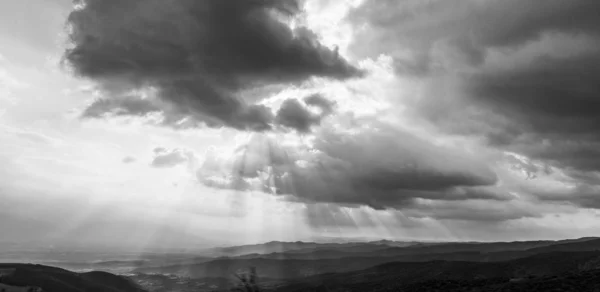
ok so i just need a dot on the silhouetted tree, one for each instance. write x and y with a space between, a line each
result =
248 282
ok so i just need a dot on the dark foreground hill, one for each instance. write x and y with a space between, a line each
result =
586 281
573 271
52 279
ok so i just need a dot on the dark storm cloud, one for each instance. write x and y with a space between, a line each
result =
295 115
421 34
582 194
544 105
514 22
564 92
552 103
546 109
382 168
333 217
164 158
256 117
198 55
575 187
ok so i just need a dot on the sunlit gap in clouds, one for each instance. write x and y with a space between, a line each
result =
246 171
261 170
262 162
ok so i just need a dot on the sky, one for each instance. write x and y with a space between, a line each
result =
139 124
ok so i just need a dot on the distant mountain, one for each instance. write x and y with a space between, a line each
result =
303 247
400 243
586 244
314 259
125 266
483 247
305 255
269 247
52 279
475 251
352 266
429 275
289 267
269 268
380 248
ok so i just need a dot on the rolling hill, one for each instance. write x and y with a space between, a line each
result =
52 279
304 262
304 247
361 266
428 276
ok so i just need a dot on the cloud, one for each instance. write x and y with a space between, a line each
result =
423 35
295 115
582 195
473 210
545 108
128 160
511 81
129 106
518 76
164 158
566 187
199 57
35 137
529 168
242 170
325 106
376 166
552 103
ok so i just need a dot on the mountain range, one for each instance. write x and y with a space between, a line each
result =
52 279
307 259
381 265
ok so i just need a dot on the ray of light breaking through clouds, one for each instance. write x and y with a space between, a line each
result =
287 119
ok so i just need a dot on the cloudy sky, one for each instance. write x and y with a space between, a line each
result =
146 123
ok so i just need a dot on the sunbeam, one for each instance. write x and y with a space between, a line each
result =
299 145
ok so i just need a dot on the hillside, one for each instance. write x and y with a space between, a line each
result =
591 244
52 279
316 260
270 268
410 250
305 247
363 266
587 281
429 276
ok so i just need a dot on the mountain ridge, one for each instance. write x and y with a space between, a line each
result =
53 279
290 265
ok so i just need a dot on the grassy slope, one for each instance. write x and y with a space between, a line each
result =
52 279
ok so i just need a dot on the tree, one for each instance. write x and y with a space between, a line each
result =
247 282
